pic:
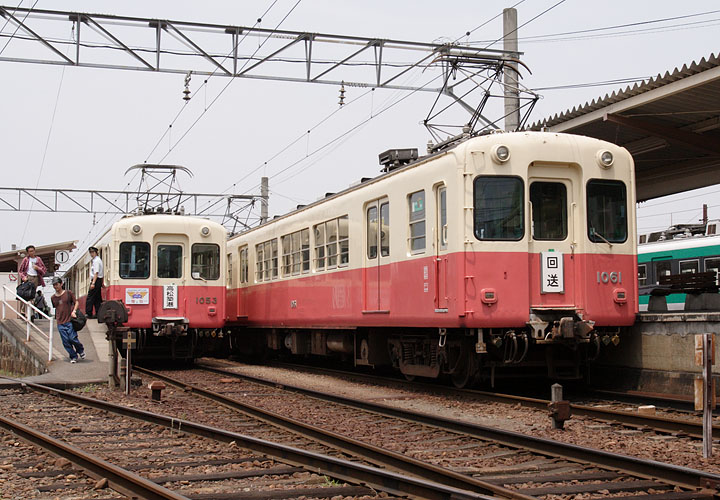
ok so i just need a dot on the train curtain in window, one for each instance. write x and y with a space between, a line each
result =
499 210
607 211
169 261
134 260
205 261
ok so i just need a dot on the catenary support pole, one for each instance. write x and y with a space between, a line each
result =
512 94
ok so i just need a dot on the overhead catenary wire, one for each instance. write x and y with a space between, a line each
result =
18 26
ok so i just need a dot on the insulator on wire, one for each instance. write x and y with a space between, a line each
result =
186 92
341 102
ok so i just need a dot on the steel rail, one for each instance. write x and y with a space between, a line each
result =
665 424
377 455
674 474
382 480
120 480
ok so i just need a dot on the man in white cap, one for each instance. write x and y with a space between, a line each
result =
97 273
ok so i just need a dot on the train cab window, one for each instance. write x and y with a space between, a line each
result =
205 261
689 266
134 260
416 206
642 275
267 260
499 208
662 268
169 261
713 264
607 211
244 265
549 210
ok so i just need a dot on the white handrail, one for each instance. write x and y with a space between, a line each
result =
28 323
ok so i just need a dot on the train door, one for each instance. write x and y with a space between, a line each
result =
376 271
169 276
241 288
553 240
441 248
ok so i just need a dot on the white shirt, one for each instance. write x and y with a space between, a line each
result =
96 266
32 261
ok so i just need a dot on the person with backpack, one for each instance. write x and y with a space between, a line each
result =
40 303
32 269
66 307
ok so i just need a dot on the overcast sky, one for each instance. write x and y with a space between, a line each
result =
82 128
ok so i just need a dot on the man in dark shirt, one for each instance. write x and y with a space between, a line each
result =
65 306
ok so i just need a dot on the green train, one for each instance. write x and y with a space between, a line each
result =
685 248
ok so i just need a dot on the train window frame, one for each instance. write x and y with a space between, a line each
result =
319 234
159 248
711 268
693 261
296 252
229 270
417 228
441 197
331 243
642 277
661 263
371 225
215 268
518 230
142 244
540 230
384 229
267 255
244 265
593 211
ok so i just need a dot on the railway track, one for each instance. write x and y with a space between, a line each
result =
686 423
143 454
506 463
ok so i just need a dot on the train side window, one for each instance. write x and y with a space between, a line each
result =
270 256
499 208
320 247
169 261
442 216
689 266
384 229
259 261
606 211
713 264
244 275
416 202
205 261
305 250
296 252
662 268
229 271
372 232
134 260
642 274
286 243
344 241
331 232
549 210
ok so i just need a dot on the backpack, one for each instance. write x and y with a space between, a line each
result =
26 290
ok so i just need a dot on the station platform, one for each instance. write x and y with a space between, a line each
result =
60 372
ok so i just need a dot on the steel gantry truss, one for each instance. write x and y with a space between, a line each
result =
158 192
464 73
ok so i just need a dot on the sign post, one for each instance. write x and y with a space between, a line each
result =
62 256
705 356
129 343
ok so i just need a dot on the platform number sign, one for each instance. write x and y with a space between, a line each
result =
552 272
62 256
170 297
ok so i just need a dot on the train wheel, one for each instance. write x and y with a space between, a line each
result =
465 374
409 378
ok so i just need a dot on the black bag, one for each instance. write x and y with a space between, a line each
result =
78 323
26 290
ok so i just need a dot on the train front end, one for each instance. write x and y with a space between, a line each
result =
551 242
168 271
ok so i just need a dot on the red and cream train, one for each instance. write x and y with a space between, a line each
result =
506 250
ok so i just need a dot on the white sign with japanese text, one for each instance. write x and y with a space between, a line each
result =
170 297
551 272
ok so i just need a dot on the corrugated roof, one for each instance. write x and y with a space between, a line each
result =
630 91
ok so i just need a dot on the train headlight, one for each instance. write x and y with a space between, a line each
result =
500 153
205 231
136 229
605 159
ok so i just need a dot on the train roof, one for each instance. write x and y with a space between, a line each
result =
456 146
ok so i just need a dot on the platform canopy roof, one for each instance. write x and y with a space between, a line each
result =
670 124
9 261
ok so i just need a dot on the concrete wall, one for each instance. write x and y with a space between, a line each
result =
16 358
657 354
